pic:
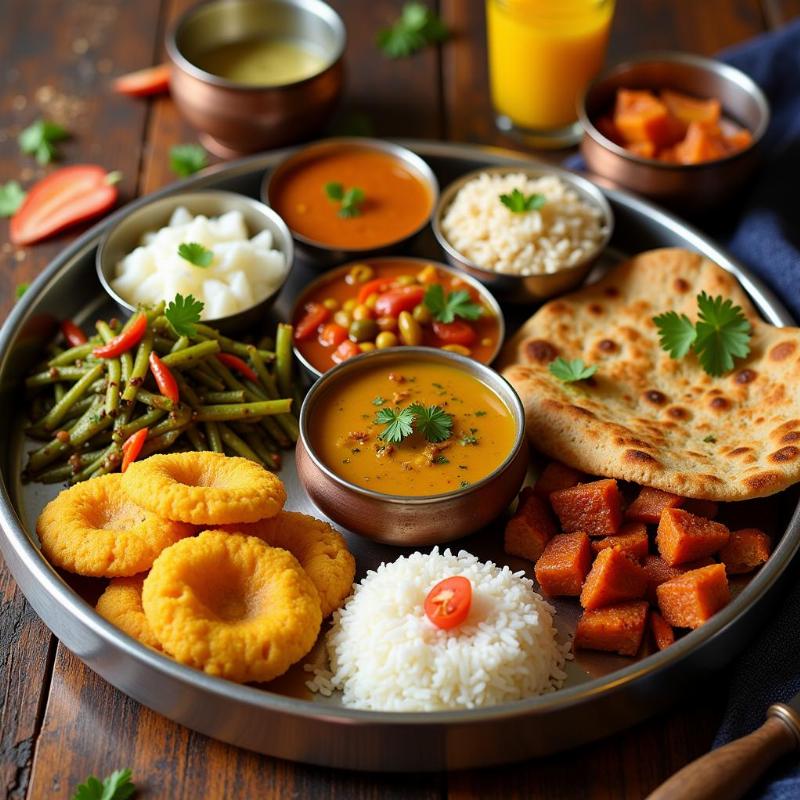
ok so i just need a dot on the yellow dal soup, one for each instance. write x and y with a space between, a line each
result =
349 437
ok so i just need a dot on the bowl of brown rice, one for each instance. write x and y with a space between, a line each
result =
527 233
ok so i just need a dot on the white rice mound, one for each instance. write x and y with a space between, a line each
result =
558 235
386 655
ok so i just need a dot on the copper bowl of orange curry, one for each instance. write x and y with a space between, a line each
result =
349 198
412 446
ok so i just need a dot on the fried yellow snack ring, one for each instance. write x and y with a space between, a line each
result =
321 551
205 488
94 528
121 605
232 606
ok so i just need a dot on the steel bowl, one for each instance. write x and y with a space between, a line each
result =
235 118
126 234
411 521
526 288
334 274
686 187
321 254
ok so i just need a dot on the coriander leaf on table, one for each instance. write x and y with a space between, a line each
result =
39 139
676 334
433 422
116 786
196 254
417 27
399 424
445 308
183 313
571 371
21 289
12 196
186 159
723 333
518 203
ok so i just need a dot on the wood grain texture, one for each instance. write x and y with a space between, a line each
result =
780 12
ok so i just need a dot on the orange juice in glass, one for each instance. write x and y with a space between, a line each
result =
542 54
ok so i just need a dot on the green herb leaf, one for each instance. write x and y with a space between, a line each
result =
186 159
116 786
334 190
723 333
446 307
571 371
676 334
12 195
710 439
417 27
378 400
114 177
441 460
38 140
433 422
183 313
21 289
196 254
399 424
480 413
351 202
518 203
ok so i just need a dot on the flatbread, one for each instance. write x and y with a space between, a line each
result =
645 417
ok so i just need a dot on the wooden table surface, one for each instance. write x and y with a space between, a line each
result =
59 722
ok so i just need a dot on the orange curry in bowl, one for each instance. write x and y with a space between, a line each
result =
390 302
353 198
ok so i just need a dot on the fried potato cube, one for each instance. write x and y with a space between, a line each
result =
658 571
531 527
631 539
692 109
595 508
556 476
641 117
564 563
747 549
683 537
649 504
701 508
615 629
613 578
663 635
701 143
694 597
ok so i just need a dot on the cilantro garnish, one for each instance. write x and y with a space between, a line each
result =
186 159
433 422
21 289
38 140
446 307
468 439
480 413
196 254
518 203
571 371
350 199
182 314
417 27
441 460
378 400
399 424
116 786
710 439
12 195
720 334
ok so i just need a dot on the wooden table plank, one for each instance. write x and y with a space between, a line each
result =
780 12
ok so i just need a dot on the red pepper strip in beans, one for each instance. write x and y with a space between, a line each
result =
375 286
241 366
72 333
130 337
165 381
132 447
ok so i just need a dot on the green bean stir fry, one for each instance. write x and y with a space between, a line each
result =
163 381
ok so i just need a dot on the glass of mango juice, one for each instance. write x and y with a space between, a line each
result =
542 55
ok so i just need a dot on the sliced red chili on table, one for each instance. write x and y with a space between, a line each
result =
331 335
448 603
238 364
130 337
375 286
315 315
165 380
132 446
456 332
345 350
72 333
143 82
404 298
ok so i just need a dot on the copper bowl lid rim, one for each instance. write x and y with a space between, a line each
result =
485 374
316 7
690 59
331 274
388 146
535 170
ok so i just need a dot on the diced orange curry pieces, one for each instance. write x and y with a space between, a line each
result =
694 597
631 539
531 527
556 476
686 537
563 565
595 508
613 578
649 504
747 549
615 629
663 635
